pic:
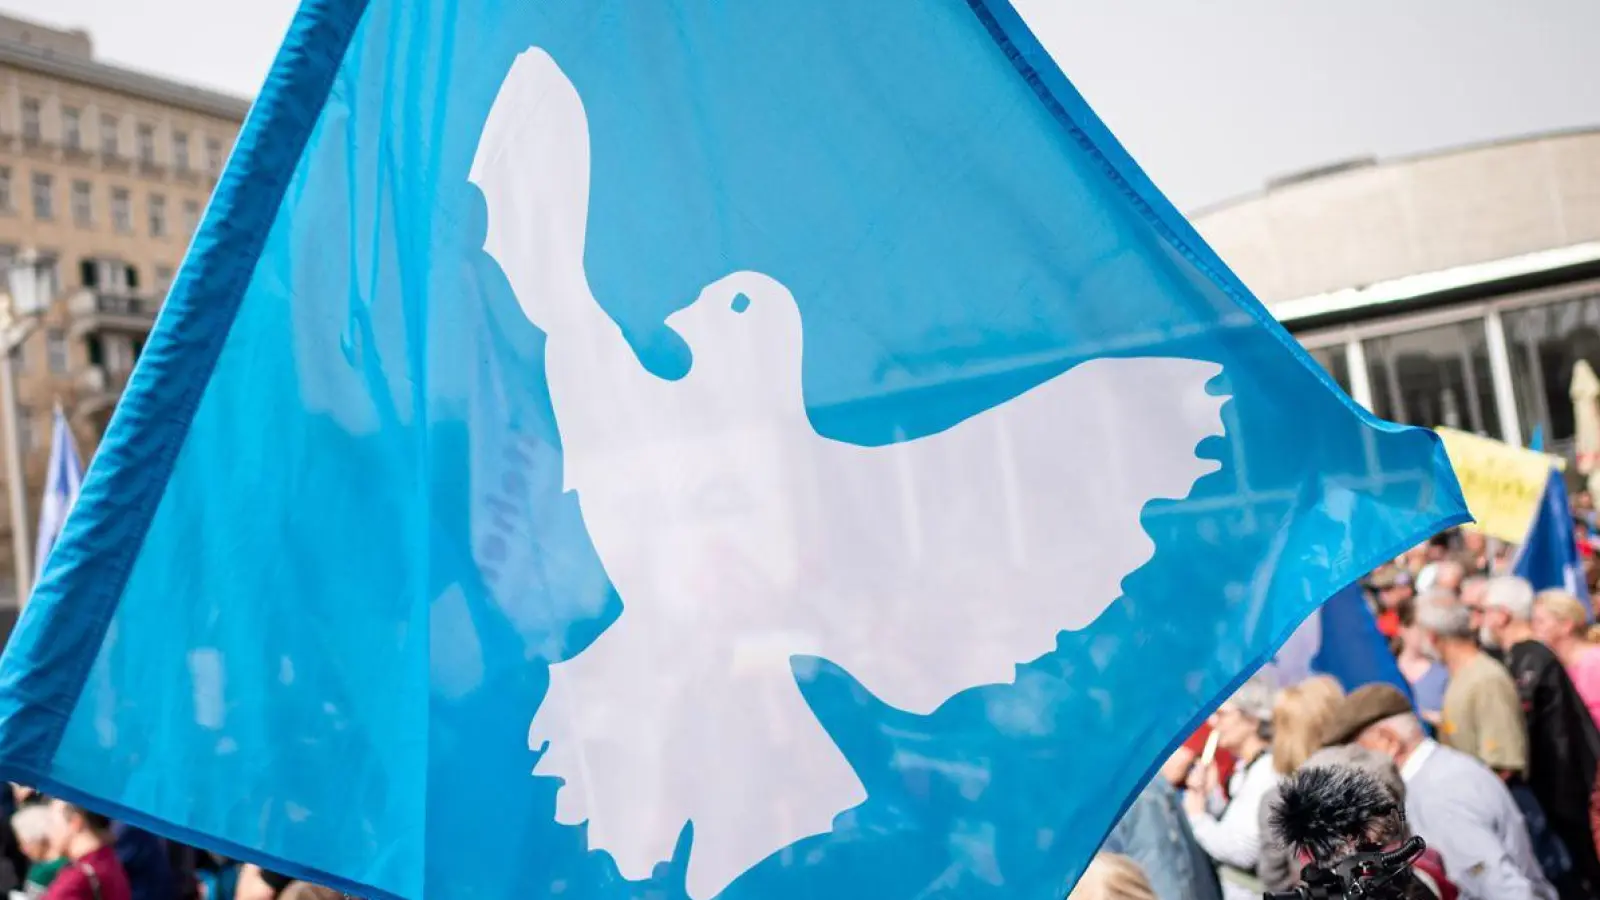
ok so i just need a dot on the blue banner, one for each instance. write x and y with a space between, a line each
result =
604 449
1549 557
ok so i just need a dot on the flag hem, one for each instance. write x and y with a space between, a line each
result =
1063 101
48 659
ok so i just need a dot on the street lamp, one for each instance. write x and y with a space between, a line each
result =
29 284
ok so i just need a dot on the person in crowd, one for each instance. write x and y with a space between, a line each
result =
1563 745
1481 712
1455 802
1299 717
1446 575
93 871
1560 622
1113 877
1154 833
1473 554
146 861
33 826
1391 585
1176 768
1471 596
1419 659
1231 833
1388 827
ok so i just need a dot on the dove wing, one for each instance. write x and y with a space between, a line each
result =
977 545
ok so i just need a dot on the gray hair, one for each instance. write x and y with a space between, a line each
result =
1512 594
1354 756
1441 596
1405 726
1255 697
31 823
1447 620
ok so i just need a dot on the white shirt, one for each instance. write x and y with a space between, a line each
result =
1415 761
1234 838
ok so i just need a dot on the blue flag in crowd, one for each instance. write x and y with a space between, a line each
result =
1340 640
1549 557
61 482
619 449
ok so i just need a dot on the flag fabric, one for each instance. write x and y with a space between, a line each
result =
1341 640
477 523
1549 557
62 480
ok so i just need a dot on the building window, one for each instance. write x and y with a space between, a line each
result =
7 204
50 263
71 128
1332 360
158 215
118 351
55 350
214 156
163 279
108 276
109 127
147 144
27 437
1546 344
44 199
1433 377
121 209
82 204
191 216
180 150
32 130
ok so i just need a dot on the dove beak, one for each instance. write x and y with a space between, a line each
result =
680 321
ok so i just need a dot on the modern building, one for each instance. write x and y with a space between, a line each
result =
1456 288
104 173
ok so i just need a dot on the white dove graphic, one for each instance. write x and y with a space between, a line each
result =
740 539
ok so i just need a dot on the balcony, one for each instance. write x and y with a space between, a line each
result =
94 310
98 390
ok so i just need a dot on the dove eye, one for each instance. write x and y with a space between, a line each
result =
741 303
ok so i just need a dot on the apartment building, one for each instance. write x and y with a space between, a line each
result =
104 174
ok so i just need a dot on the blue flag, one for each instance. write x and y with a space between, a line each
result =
1549 557
62 480
1340 640
612 449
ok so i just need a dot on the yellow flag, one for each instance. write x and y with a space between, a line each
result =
1501 482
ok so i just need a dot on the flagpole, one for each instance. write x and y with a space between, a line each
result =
24 298
21 565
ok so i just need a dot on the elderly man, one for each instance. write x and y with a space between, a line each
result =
1453 801
1563 745
1361 774
1481 714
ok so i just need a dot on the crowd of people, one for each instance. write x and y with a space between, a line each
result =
1493 757
58 850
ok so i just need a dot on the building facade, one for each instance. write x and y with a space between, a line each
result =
1457 288
104 174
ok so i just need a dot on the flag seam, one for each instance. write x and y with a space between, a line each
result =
125 484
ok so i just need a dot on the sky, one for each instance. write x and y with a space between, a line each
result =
1212 98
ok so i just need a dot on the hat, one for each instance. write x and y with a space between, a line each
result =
1361 708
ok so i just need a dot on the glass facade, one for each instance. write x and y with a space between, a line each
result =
1335 361
1435 376
1544 344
